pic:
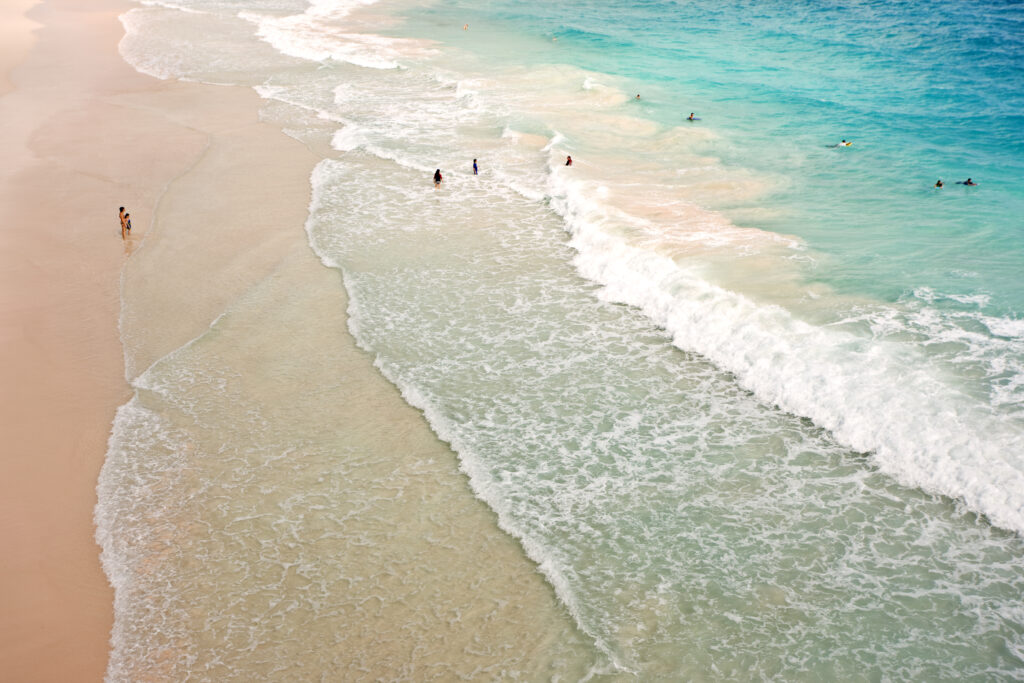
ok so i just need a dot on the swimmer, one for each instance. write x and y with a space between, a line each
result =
844 143
690 117
568 161
476 171
967 182
437 178
465 27
938 183
638 96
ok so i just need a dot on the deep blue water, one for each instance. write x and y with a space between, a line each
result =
924 90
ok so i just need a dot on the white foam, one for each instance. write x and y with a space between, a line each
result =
319 34
171 5
872 395
1005 327
556 140
125 528
348 138
144 61
480 478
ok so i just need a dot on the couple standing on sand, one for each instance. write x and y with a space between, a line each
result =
126 223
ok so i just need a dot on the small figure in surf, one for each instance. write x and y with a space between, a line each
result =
690 117
437 178
128 223
967 182
568 161
121 214
476 171
638 96
938 183
844 143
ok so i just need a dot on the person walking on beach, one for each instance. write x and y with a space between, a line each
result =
476 171
437 178
121 214
568 161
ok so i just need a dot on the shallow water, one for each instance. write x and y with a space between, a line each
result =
796 452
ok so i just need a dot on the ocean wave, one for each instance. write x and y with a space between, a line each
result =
320 34
874 396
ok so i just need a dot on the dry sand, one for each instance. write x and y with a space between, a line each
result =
82 134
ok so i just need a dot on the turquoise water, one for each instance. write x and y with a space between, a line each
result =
924 90
751 402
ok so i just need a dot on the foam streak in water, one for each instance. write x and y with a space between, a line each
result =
874 396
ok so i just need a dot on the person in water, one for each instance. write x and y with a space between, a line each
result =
938 183
690 117
844 143
120 214
476 171
968 182
437 178
638 96
128 222
568 161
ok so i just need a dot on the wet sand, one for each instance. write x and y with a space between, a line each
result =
84 133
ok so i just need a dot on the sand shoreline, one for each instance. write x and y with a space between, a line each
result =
108 136
218 200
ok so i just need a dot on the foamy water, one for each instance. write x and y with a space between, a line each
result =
730 450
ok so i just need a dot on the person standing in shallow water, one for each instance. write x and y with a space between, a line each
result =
568 161
121 214
437 178
476 171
